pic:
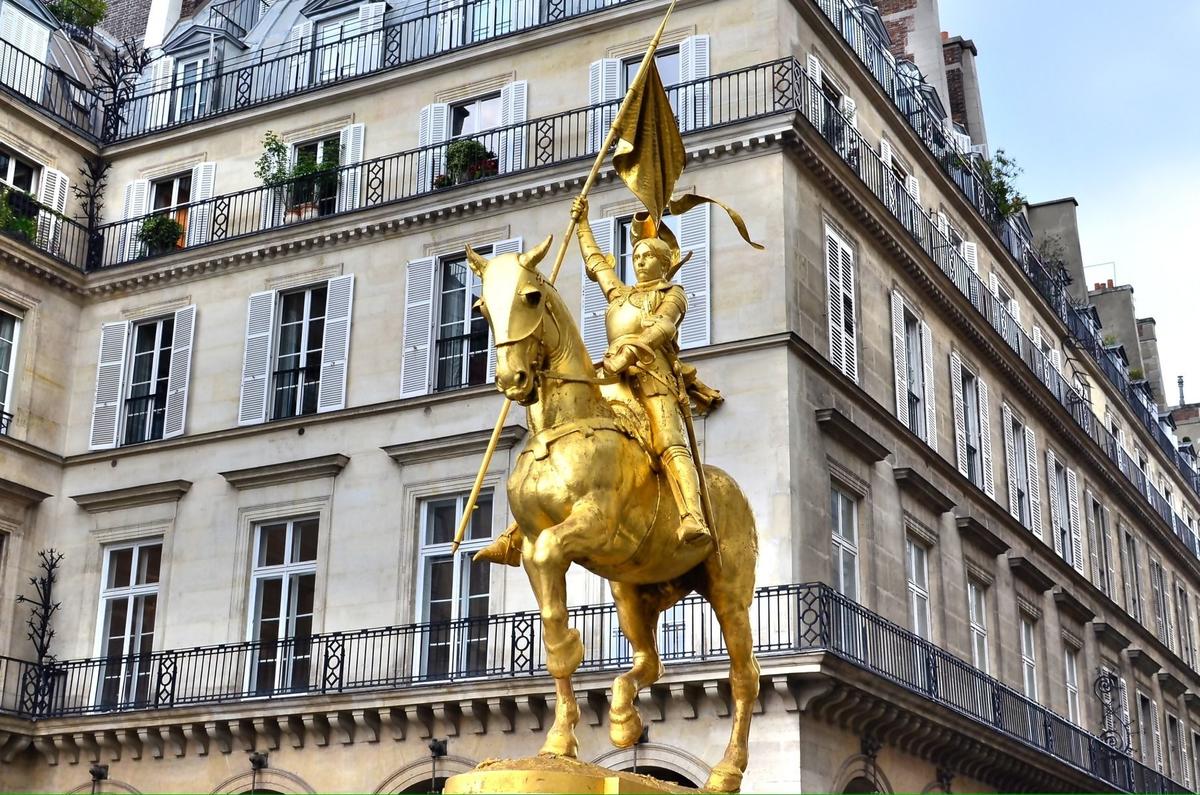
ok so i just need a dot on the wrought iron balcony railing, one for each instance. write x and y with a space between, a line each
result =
846 17
51 91
5 421
28 221
787 620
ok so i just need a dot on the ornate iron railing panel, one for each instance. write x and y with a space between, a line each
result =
50 91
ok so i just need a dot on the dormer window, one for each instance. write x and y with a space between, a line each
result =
192 90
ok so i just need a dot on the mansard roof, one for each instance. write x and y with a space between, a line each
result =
38 10
197 37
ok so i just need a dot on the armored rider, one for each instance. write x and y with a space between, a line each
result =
643 323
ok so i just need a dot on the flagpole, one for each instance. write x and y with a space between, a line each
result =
638 81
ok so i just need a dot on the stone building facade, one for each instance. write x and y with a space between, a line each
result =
248 432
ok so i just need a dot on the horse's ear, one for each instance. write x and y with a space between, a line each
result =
530 259
477 262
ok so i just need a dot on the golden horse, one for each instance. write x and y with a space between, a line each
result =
584 491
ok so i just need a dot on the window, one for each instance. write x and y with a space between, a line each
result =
149 374
977 613
18 172
316 195
1018 462
282 588
128 607
968 397
1101 545
10 327
455 591
844 517
475 116
1175 750
192 89
918 587
462 330
1029 658
669 69
1162 614
916 374
1187 646
297 377
1071 677
1148 732
1130 576
912 348
839 281
169 196
338 48
1062 512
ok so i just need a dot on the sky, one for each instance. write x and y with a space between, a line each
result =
1100 100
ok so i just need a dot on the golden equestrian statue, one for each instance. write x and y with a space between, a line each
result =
608 478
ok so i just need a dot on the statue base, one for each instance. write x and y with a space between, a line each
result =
547 774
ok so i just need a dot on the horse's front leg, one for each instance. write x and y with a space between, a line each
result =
546 562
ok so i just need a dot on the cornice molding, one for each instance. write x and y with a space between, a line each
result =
325 466
1027 572
424 450
1142 661
914 484
1170 684
21 493
840 427
1070 605
1107 633
133 496
981 535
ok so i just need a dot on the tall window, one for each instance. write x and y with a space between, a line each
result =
971 425
149 371
667 61
1062 513
17 172
297 378
977 613
338 48
282 588
1071 677
169 196
1162 614
475 116
455 594
10 327
192 89
128 607
1148 731
915 363
462 330
1130 575
1175 748
1102 547
918 586
1020 463
1187 646
316 195
844 516
1029 657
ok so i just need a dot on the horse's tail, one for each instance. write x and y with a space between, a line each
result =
737 534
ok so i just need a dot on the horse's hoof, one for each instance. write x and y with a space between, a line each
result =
724 778
624 730
561 744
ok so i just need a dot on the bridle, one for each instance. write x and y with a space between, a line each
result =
544 373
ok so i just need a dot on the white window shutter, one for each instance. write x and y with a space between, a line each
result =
512 246
110 380
604 89
833 283
514 102
1187 768
913 186
1052 496
985 440
370 31
850 349
816 99
1010 454
970 253
299 55
1056 360
199 220
175 417
350 184
335 353
137 199
899 358
943 223
27 34
1073 521
960 413
52 193
418 327
1158 757
994 285
162 98
930 392
593 304
1035 488
695 101
256 364
434 130
694 277
885 154
849 109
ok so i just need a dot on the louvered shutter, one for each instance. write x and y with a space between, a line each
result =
418 327
349 186
335 353
913 186
899 358
1158 757
25 74
52 193
849 302
434 130
960 413
930 391
839 280
593 304
694 104
175 417
514 100
256 364
816 99
299 55
1052 495
512 246
199 219
970 254
694 277
849 109
1073 521
161 102
943 223
110 379
370 31
137 198
1183 757
889 177
1093 540
1056 360
1123 692
985 440
1010 454
1035 488
604 89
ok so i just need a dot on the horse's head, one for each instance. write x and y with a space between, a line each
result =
514 301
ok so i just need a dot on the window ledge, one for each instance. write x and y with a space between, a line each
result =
1025 571
442 447
1107 633
133 496
914 484
836 424
1071 606
21 494
326 466
1170 684
1142 661
976 531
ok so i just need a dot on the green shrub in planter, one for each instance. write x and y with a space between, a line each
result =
160 233
15 218
466 158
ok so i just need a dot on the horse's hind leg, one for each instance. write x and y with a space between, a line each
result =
638 609
733 612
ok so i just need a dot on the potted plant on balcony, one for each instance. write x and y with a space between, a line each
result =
300 185
18 214
468 159
160 234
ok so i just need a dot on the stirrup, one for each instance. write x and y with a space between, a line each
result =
504 551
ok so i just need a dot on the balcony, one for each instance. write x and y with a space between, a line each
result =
789 620
51 91
24 219
5 421
1013 235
